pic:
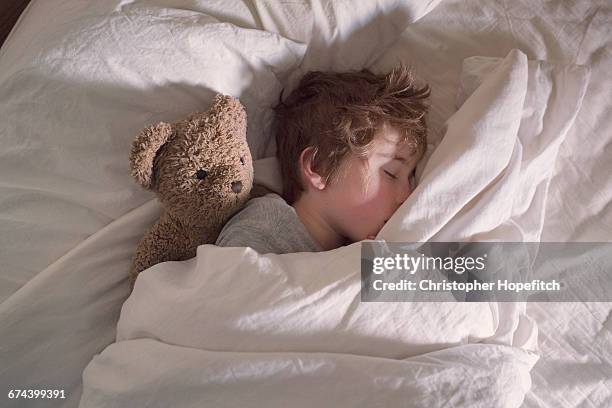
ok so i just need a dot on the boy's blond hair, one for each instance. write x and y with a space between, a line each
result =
339 113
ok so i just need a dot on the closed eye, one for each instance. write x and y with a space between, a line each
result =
393 176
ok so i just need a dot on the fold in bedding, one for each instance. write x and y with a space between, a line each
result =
145 372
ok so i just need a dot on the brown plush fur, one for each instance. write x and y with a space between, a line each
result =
168 158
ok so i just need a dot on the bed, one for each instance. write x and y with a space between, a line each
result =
78 81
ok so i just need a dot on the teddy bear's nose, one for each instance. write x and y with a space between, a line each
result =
237 186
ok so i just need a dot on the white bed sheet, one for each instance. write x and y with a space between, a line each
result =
43 218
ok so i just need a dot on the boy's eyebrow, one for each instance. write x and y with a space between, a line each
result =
401 159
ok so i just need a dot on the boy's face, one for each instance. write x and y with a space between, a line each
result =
368 191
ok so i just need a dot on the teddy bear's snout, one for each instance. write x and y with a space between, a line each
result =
237 186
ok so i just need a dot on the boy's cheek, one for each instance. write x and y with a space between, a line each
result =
368 225
357 226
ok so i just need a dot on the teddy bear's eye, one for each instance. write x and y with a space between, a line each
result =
201 174
242 160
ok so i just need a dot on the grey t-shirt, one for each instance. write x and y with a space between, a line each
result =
267 224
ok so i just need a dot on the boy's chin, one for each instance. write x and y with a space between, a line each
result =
369 236
363 235
357 238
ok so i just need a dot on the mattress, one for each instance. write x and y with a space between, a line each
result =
77 82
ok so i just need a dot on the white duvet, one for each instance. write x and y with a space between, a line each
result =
278 330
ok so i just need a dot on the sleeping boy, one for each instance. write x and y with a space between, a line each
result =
348 145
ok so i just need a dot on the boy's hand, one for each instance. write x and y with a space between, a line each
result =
372 237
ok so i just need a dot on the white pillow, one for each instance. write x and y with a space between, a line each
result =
77 84
352 35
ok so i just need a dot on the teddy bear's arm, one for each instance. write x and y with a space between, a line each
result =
165 241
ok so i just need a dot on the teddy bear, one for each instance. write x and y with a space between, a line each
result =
201 170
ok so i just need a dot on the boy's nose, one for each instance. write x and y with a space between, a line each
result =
403 195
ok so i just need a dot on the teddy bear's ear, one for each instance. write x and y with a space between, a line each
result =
228 110
144 149
222 101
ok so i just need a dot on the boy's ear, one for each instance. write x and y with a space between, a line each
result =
311 177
